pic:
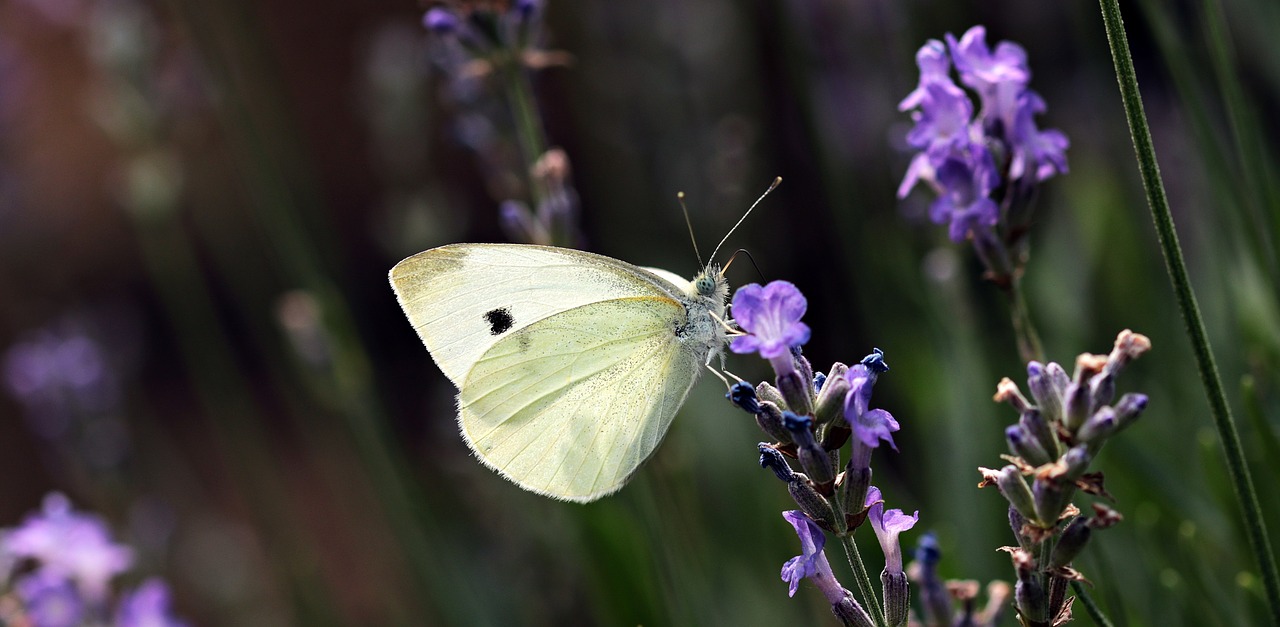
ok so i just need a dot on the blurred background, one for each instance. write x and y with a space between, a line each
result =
199 203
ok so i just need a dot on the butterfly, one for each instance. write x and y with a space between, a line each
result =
570 365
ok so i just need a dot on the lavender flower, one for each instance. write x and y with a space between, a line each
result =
148 606
888 525
869 426
70 544
50 599
983 167
771 317
812 561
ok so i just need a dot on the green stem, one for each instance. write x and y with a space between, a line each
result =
1090 607
1255 527
863 579
529 133
1029 347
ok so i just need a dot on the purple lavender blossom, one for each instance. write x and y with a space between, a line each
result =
943 123
148 606
1039 153
50 599
869 425
999 77
71 545
934 66
771 317
964 182
811 562
440 21
888 525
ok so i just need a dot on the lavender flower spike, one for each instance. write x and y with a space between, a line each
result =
887 525
771 317
811 562
70 544
148 606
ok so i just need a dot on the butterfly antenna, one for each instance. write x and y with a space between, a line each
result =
680 197
776 181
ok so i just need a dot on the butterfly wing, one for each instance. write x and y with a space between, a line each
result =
570 405
464 298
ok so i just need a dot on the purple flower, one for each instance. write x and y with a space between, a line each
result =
148 606
943 121
1039 153
870 426
964 183
811 562
998 77
771 317
888 525
70 544
935 67
50 599
440 21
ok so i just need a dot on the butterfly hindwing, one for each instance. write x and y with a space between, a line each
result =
569 405
462 299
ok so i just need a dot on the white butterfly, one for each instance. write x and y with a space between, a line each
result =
569 365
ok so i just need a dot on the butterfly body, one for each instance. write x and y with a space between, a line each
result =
570 366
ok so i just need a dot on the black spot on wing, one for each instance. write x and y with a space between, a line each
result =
499 320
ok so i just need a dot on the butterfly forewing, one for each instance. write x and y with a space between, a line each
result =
464 298
570 405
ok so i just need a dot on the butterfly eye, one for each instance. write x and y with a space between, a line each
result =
706 285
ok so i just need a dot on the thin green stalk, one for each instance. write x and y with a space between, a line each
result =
864 580
1029 346
1090 607
529 133
1255 527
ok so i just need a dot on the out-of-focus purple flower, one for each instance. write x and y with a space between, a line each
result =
1040 153
771 317
69 544
943 122
998 77
888 525
870 426
50 599
441 21
964 183
811 562
148 606
934 66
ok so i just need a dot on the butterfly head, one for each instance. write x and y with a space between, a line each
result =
711 284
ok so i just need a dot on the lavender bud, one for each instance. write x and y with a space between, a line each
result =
814 505
1076 462
849 612
1016 522
1098 427
1015 490
829 406
1048 398
897 596
1025 446
937 605
1075 406
773 460
1007 392
796 392
803 366
770 421
1102 388
1128 409
766 392
743 396
1029 594
852 489
1051 498
1070 543
813 459
1035 424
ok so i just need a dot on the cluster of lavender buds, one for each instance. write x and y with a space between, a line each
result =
953 602
482 43
810 418
984 168
1053 443
56 570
